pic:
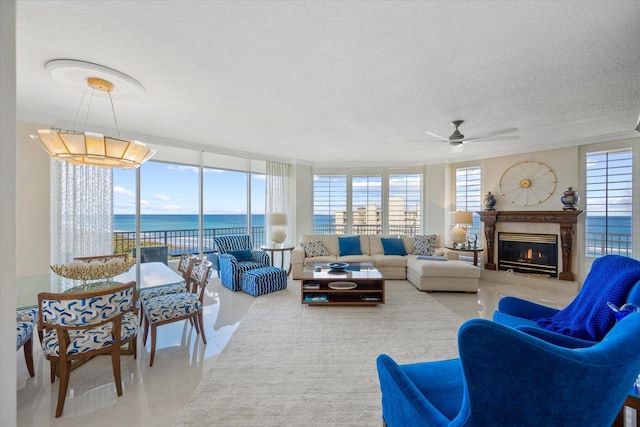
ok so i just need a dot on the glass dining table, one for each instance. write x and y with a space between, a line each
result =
152 275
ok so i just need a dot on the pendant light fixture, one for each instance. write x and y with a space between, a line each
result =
90 148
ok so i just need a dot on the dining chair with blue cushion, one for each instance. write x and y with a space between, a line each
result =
78 326
506 377
26 323
178 306
184 266
235 256
587 319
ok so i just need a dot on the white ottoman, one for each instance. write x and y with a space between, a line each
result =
428 275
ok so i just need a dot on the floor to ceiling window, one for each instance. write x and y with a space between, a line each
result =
609 202
329 204
367 203
124 210
469 195
228 198
405 204
170 208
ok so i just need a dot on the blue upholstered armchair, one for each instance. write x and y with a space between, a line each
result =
505 377
587 319
235 256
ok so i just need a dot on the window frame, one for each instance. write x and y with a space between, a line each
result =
464 198
386 174
593 189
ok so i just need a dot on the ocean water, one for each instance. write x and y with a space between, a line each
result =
612 224
183 222
612 235
190 222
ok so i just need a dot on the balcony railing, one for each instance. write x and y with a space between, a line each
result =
599 244
406 230
181 241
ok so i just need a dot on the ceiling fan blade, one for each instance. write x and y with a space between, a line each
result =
491 139
493 134
442 138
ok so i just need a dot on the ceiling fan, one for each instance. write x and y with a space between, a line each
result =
457 138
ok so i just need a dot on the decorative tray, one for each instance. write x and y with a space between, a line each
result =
342 285
338 266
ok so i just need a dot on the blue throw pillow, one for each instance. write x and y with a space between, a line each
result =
393 246
244 255
349 245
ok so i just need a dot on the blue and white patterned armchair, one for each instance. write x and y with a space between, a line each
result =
235 256
26 321
84 324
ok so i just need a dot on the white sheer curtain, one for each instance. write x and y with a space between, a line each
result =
81 211
277 197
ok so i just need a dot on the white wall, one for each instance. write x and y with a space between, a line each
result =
302 200
435 203
565 163
8 382
32 204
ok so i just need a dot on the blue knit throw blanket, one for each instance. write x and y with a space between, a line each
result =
588 316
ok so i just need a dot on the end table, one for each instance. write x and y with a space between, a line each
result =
466 249
272 249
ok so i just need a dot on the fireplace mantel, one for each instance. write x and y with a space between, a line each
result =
566 219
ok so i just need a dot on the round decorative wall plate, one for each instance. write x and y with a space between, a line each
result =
527 183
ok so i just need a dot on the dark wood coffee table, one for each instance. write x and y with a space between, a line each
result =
359 284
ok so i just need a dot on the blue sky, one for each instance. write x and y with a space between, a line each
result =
173 189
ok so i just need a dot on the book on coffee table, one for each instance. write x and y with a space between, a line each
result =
316 298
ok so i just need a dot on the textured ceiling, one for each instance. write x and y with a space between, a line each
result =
351 82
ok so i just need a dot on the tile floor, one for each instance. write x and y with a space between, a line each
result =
155 396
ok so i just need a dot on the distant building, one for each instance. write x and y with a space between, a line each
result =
368 220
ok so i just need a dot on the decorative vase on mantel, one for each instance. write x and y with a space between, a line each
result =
489 202
570 200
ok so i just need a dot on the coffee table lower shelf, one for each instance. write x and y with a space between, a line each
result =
369 293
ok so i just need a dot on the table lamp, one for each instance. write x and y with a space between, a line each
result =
459 231
278 224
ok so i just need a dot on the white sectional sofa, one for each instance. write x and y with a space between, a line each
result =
425 274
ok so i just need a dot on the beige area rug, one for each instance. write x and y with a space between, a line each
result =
289 364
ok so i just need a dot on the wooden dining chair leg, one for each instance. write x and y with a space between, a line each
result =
133 347
201 321
146 331
194 322
65 371
153 344
28 356
115 363
53 366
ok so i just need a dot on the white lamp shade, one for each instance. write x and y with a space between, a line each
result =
462 218
278 219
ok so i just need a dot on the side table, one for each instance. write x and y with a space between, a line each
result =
272 249
633 401
474 250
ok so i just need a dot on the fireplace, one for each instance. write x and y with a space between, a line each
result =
567 221
528 253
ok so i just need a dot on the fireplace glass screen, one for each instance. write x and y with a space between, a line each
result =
528 253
